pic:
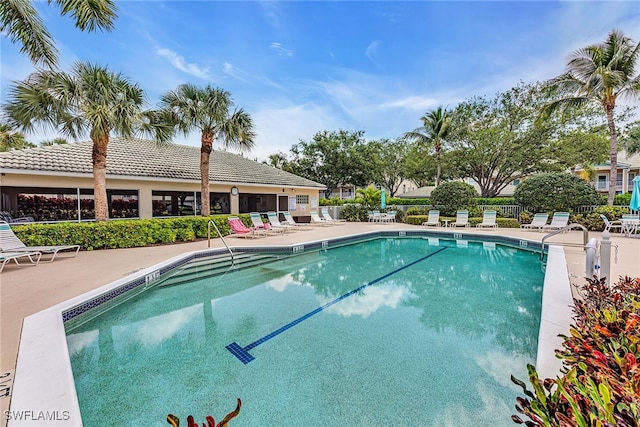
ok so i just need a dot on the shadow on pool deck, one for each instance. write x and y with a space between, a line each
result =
27 290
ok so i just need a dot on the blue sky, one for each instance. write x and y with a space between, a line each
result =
299 67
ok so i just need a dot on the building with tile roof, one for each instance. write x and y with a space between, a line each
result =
145 179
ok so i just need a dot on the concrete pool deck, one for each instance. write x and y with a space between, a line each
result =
28 290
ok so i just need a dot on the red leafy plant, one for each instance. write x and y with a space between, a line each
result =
175 421
600 382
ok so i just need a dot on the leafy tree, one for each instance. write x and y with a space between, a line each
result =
580 148
90 99
278 160
436 125
418 167
555 192
369 197
22 24
454 195
386 162
333 159
208 110
12 140
630 140
495 141
600 73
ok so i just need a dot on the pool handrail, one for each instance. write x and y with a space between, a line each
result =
224 242
585 237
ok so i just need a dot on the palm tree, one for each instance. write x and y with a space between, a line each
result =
209 111
90 99
10 139
22 24
434 131
600 73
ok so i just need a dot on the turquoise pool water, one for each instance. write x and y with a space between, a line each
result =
397 332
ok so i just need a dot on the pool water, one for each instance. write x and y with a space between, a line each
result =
430 338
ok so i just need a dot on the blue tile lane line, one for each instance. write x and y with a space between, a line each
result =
242 353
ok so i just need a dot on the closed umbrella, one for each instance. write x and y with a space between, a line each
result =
383 199
634 204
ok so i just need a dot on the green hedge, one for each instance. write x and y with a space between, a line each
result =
502 222
122 233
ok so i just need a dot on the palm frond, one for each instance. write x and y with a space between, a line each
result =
90 15
23 25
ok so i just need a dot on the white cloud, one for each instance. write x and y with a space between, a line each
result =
371 51
179 62
281 51
417 103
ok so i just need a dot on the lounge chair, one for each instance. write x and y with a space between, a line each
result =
327 217
261 226
6 216
5 257
315 219
539 221
558 221
433 219
9 242
609 225
488 220
462 219
275 223
389 216
375 216
292 222
238 228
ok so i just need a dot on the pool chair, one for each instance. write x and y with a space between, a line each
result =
9 242
612 225
7 217
488 220
539 221
327 217
389 216
315 219
260 226
238 228
275 223
433 219
292 222
5 257
559 221
375 216
462 219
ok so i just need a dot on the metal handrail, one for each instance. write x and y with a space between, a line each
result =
585 237
221 238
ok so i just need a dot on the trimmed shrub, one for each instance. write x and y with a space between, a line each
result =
354 213
555 192
454 195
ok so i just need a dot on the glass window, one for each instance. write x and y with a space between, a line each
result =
302 199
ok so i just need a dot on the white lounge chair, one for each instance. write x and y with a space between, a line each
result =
375 216
462 219
5 257
262 227
327 217
433 219
275 223
292 222
315 219
539 221
488 220
558 221
9 242
609 225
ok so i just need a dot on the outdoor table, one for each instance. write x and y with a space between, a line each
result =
630 226
446 222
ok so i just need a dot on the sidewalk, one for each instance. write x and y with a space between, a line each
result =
27 290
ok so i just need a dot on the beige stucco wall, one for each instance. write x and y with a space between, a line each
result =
146 187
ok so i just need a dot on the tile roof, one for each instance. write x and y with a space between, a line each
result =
144 158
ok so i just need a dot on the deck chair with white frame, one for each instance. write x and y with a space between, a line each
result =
433 219
9 242
488 220
328 217
276 224
462 219
559 220
261 226
612 225
288 220
538 222
5 257
315 219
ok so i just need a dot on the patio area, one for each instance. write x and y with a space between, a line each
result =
25 290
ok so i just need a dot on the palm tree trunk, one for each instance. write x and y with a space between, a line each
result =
613 172
99 158
437 146
205 154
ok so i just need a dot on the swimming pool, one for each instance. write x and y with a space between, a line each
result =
389 331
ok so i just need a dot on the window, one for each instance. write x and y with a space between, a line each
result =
516 182
302 199
603 182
